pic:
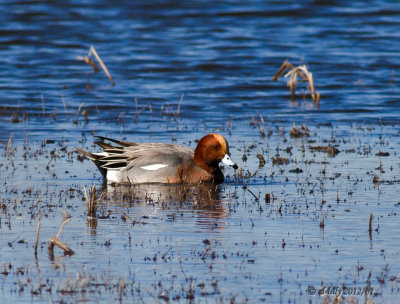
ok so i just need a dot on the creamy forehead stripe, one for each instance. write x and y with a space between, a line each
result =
154 167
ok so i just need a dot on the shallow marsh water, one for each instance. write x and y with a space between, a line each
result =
196 244
150 242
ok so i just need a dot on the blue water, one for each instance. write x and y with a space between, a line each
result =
221 55
214 61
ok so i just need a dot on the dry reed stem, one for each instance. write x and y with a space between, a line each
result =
93 51
370 224
179 106
293 74
9 143
299 131
283 68
91 203
84 113
65 105
86 198
141 110
62 226
79 108
89 61
302 71
54 241
53 156
133 222
37 234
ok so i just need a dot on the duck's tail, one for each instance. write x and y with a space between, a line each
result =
95 157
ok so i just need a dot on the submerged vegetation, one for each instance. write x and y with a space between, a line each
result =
307 195
293 79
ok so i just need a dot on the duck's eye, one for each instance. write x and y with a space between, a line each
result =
216 147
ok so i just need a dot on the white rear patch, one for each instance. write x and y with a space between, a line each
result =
154 167
115 176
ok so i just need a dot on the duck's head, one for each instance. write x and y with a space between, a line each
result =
211 150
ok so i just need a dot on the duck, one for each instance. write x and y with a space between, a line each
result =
141 163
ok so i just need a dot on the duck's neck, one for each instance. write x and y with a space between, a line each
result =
211 168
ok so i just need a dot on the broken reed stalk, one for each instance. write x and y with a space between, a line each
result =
84 114
370 224
65 105
37 234
307 76
282 70
62 226
103 66
293 74
141 110
54 241
9 143
89 61
92 202
179 106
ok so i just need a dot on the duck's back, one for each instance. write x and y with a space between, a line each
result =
148 163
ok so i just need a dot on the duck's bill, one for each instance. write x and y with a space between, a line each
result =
228 161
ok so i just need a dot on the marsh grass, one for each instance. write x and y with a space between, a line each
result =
293 80
179 106
55 241
37 234
92 51
311 197
299 131
91 201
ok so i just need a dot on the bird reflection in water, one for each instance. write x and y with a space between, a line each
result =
153 200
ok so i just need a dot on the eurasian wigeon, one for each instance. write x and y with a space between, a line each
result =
137 163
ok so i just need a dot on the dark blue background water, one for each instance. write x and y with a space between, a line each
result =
220 54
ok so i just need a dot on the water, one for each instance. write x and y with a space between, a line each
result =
217 58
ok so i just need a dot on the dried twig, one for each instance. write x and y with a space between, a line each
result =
9 143
62 226
299 131
37 234
54 241
141 110
282 70
179 106
65 105
91 63
92 202
370 225
93 51
293 74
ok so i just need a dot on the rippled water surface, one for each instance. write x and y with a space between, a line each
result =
273 230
